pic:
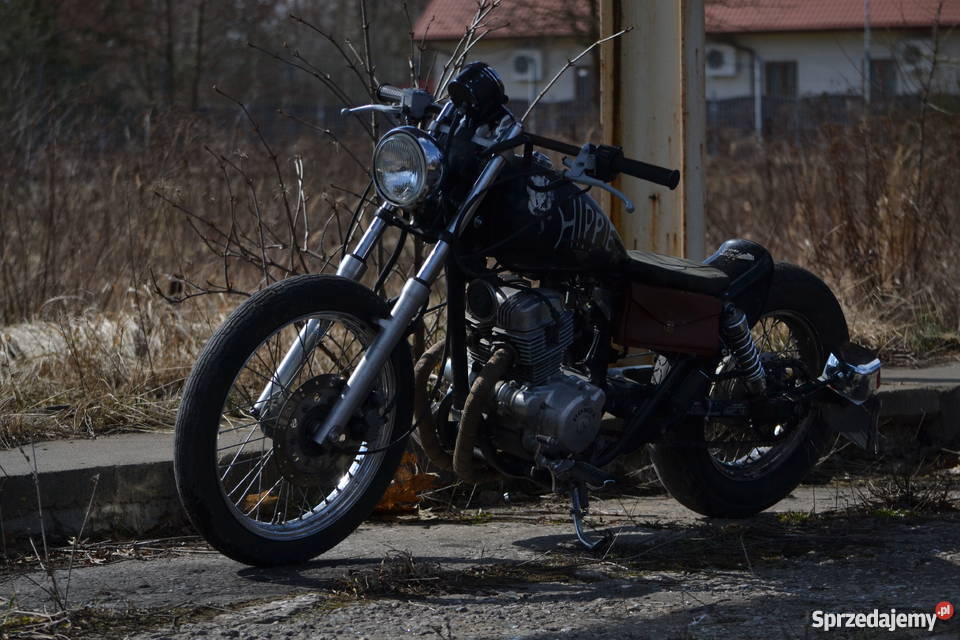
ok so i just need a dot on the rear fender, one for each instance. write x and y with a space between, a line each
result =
750 268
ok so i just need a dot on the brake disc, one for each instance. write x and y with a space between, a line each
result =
301 460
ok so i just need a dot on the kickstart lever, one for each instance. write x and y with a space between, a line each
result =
586 161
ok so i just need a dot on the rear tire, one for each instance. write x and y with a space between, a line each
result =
221 440
716 483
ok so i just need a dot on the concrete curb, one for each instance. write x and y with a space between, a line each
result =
136 493
935 410
129 476
130 499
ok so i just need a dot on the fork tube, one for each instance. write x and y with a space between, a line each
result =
456 333
412 298
354 264
352 267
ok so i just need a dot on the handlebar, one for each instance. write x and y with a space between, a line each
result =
669 178
387 92
415 104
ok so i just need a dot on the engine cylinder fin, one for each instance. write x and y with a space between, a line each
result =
532 321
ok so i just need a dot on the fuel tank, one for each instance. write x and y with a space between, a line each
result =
533 220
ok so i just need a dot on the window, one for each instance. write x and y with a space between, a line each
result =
780 79
883 79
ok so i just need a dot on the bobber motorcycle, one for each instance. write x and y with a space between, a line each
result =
295 416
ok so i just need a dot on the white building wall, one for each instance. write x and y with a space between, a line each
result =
829 62
499 54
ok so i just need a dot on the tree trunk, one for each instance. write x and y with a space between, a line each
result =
198 57
171 61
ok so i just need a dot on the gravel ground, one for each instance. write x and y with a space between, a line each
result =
516 574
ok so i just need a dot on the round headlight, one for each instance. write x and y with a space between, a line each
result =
406 166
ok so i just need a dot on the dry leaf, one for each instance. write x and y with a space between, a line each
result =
403 494
251 501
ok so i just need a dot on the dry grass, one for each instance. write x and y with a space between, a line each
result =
95 244
91 231
870 207
96 373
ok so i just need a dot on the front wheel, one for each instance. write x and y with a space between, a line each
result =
249 475
734 468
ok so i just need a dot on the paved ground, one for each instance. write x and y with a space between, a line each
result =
512 574
516 574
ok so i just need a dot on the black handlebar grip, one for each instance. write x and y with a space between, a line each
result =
669 178
387 92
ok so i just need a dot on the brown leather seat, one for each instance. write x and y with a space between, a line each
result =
675 273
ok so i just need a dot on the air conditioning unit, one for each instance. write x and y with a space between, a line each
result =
720 60
526 65
915 56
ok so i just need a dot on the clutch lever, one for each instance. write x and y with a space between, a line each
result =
382 108
585 161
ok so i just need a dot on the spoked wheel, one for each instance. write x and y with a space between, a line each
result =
249 473
736 467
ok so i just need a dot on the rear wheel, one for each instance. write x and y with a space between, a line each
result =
248 472
737 467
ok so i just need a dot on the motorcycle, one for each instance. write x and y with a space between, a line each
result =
294 417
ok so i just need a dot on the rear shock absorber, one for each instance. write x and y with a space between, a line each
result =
736 334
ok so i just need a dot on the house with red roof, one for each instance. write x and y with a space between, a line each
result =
761 56
527 41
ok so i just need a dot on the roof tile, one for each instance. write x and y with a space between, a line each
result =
448 19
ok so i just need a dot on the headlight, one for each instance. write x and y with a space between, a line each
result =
406 166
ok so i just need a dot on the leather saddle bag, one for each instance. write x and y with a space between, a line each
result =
670 320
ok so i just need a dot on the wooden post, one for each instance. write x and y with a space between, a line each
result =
652 105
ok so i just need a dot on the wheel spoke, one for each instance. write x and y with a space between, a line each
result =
239 451
244 443
263 496
261 463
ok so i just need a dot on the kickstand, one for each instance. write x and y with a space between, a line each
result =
578 509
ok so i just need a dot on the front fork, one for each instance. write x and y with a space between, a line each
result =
411 300
352 267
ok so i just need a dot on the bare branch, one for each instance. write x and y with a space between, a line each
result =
570 63
466 42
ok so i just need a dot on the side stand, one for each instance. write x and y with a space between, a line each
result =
578 509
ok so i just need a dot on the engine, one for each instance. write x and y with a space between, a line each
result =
546 408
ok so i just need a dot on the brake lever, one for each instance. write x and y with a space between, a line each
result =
593 182
585 161
382 108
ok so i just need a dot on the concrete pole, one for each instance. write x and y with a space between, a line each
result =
652 104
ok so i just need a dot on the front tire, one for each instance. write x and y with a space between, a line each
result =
728 479
249 477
